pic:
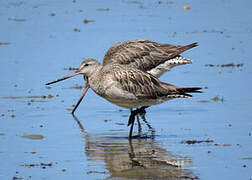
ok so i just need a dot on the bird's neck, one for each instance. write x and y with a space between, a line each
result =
94 77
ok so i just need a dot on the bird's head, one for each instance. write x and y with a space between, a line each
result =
87 67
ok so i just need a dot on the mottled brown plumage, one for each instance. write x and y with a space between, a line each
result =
128 87
144 54
129 74
144 85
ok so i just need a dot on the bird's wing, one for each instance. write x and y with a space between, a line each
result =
142 84
142 54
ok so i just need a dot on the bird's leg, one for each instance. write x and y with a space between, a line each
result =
131 121
148 124
131 117
139 126
142 113
133 113
142 110
131 129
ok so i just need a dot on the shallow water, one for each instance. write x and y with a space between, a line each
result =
208 136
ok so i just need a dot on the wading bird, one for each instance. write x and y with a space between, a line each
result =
129 75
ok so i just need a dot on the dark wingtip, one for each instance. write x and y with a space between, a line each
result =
196 43
196 90
191 90
192 45
189 46
185 91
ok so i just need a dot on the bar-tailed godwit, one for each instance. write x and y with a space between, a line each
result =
129 75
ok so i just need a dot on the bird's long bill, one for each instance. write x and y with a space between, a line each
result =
65 77
82 96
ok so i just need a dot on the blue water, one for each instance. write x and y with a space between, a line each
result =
38 39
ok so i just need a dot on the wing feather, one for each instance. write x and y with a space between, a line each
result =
139 83
145 85
142 54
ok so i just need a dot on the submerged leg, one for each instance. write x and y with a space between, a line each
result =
131 129
148 124
131 117
131 121
142 113
139 125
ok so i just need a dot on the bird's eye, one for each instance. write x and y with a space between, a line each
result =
86 64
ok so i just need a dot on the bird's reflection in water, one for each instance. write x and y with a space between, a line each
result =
138 158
